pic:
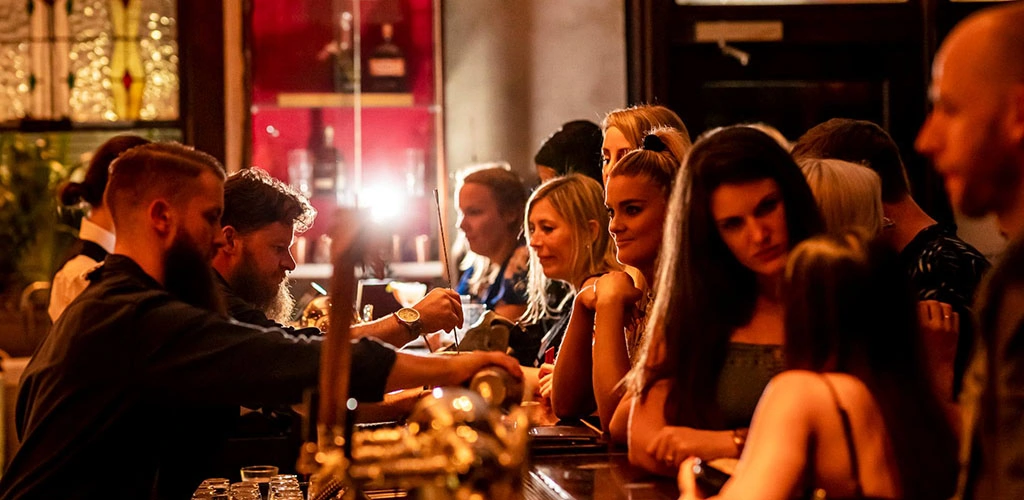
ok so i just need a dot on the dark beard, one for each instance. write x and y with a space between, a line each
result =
189 277
275 301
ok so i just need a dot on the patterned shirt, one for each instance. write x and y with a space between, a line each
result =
945 268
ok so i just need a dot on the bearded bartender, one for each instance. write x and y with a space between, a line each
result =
138 380
261 217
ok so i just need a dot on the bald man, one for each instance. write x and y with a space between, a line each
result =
975 137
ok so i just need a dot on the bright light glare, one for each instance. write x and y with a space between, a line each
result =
385 203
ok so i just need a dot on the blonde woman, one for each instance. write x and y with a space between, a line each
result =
565 225
848 194
624 130
608 319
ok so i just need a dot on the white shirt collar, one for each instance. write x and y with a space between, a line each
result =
96 234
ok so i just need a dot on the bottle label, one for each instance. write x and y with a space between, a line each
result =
391 66
323 184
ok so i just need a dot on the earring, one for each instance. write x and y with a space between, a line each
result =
888 223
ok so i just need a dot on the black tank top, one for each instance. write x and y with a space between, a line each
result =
851 447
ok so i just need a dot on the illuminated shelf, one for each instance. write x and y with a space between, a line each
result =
343 100
423 271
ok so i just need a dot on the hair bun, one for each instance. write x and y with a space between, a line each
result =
71 193
653 143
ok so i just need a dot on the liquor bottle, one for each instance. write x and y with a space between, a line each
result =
344 66
386 69
325 167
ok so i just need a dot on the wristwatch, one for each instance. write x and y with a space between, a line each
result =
410 318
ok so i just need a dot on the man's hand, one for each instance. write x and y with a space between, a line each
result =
464 366
939 322
440 310
440 370
940 334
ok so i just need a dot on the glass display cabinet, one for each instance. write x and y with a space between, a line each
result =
346 107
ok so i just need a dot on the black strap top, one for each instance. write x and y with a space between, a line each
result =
851 447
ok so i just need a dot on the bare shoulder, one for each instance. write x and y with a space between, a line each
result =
794 390
795 379
803 391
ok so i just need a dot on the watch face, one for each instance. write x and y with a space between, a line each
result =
408 314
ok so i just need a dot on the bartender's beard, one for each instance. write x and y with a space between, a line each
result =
189 277
273 297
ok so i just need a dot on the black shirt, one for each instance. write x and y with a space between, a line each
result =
945 268
133 389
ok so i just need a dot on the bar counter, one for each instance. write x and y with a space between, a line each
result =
593 476
589 476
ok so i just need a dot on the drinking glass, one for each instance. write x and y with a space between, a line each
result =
259 474
300 171
471 313
245 491
407 293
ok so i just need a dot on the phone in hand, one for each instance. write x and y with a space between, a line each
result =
709 479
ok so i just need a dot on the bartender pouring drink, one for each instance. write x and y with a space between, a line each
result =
142 376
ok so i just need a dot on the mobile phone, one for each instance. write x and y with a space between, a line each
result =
709 479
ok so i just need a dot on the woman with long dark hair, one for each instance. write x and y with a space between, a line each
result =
854 415
716 330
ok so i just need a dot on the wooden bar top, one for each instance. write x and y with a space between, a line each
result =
593 476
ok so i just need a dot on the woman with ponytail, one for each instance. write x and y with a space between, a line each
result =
608 318
96 234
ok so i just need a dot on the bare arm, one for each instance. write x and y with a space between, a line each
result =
618 428
775 456
615 297
572 391
387 329
412 370
440 310
660 448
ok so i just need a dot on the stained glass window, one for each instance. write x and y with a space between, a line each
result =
89 60
15 60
